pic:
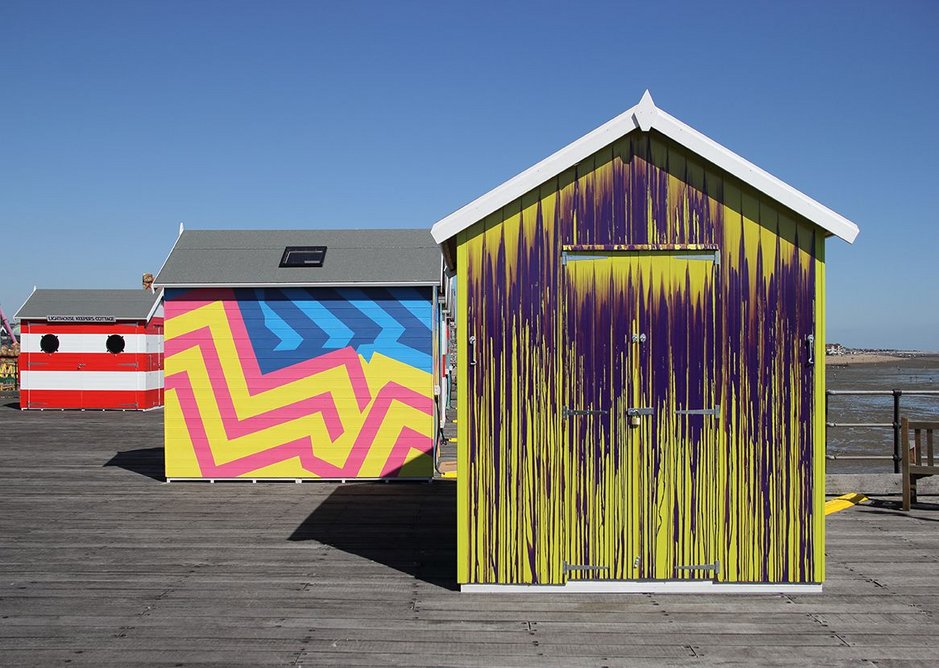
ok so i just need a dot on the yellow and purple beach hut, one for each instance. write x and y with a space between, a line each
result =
641 352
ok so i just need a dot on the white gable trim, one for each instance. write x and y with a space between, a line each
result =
644 116
16 316
157 305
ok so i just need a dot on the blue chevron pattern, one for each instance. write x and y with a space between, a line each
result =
290 325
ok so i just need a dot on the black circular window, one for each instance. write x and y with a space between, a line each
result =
49 343
115 344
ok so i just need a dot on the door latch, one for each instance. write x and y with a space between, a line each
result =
634 413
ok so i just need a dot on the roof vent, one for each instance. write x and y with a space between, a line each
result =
303 256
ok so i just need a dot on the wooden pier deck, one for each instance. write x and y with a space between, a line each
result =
103 564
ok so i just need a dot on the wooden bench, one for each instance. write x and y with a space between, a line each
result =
918 461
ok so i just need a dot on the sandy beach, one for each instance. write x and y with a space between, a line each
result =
899 357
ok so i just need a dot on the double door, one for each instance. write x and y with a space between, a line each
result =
641 416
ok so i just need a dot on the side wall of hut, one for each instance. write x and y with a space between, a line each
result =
85 365
760 497
299 383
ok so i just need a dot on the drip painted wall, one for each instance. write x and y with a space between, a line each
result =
643 396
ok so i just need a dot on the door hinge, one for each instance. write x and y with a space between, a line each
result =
567 568
571 412
716 411
715 567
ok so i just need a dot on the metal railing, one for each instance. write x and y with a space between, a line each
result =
895 425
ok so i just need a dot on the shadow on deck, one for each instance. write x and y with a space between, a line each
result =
410 527
148 462
895 507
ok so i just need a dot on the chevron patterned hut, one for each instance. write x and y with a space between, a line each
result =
91 349
641 339
302 354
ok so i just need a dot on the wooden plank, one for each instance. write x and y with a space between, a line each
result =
106 561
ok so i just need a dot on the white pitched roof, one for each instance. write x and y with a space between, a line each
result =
644 116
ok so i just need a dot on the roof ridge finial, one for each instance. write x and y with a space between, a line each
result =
644 112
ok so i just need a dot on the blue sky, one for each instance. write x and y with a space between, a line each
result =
119 120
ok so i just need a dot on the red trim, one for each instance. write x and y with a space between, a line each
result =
95 399
91 361
151 398
155 326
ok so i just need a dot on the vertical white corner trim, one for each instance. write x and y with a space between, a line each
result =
156 305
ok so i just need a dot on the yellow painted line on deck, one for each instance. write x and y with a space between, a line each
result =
844 501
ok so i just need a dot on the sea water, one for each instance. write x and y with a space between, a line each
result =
920 373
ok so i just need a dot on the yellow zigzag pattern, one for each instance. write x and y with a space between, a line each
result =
208 328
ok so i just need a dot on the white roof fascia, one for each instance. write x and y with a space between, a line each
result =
531 178
16 316
758 178
166 259
644 116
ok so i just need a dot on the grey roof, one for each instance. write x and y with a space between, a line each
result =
117 304
252 257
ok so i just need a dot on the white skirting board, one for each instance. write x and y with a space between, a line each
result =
645 587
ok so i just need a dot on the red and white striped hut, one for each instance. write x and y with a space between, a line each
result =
94 349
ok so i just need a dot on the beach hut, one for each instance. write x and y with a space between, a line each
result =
641 369
302 354
91 349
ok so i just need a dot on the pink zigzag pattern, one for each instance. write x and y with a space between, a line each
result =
323 404
180 306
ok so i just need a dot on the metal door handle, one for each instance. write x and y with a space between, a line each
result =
472 356
810 349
